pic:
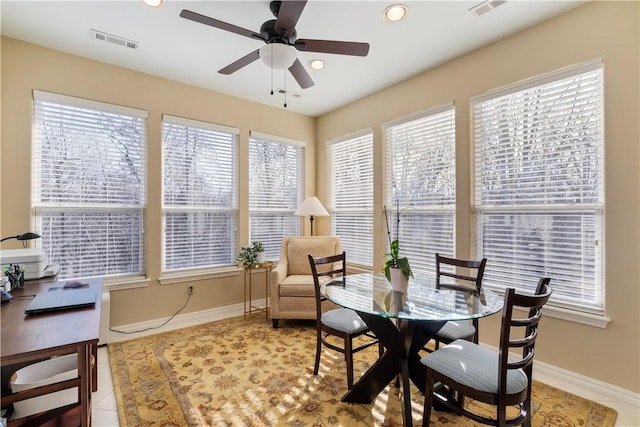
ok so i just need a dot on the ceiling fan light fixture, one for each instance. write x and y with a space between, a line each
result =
154 3
395 12
317 64
277 55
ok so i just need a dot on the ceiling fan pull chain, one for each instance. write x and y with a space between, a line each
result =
271 67
285 88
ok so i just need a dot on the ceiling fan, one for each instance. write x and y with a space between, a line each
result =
281 37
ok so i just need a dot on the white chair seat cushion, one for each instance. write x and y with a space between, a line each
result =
345 320
454 330
474 366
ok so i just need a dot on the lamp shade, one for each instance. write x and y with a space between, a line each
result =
311 207
277 55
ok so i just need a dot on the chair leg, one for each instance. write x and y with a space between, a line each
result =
428 399
527 407
275 323
502 413
318 349
349 359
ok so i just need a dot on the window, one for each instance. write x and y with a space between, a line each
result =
88 181
352 196
200 207
276 186
539 195
421 185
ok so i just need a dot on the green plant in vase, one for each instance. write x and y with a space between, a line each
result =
393 258
247 256
251 255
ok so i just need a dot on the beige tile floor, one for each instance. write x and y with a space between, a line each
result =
105 413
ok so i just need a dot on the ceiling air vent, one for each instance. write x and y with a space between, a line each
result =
486 6
284 91
120 41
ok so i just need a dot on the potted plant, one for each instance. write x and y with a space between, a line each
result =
258 248
251 255
396 268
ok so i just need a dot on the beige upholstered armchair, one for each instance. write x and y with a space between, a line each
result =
292 289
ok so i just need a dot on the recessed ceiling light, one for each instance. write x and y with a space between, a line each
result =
317 64
395 12
154 3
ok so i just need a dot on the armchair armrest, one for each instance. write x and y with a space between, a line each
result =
278 274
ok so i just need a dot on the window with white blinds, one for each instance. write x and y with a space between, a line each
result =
88 185
351 180
200 187
539 195
276 187
421 185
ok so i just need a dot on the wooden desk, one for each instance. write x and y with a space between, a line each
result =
30 338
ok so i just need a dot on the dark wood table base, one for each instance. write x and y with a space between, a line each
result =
401 343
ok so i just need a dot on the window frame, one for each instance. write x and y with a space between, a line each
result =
362 236
422 254
273 243
567 310
86 206
202 207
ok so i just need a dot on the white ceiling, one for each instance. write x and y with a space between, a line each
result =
178 49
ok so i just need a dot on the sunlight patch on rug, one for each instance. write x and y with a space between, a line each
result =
239 372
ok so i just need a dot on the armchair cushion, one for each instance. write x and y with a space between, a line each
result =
299 248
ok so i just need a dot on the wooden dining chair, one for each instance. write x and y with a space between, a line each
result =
449 276
339 322
497 378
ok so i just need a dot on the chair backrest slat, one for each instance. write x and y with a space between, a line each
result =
473 266
511 325
332 266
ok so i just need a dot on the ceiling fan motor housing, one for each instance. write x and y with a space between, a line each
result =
270 35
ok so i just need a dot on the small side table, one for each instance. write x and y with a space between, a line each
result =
249 272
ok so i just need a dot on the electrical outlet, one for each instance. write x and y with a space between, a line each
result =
190 290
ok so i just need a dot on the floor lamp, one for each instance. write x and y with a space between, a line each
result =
311 207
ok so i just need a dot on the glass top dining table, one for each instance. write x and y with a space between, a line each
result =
372 293
403 321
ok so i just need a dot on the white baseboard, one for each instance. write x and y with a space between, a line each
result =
178 322
572 382
582 385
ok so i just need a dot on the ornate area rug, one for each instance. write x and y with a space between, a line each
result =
239 372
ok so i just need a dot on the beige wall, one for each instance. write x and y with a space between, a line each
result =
26 67
607 30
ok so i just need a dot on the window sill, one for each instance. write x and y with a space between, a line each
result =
118 284
186 276
598 321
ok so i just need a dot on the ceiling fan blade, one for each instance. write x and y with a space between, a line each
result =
245 60
333 46
288 15
202 19
300 74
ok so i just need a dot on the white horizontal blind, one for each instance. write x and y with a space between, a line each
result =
539 194
421 185
352 196
276 184
88 185
199 194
